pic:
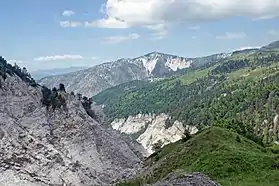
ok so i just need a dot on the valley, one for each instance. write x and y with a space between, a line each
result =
211 121
139 93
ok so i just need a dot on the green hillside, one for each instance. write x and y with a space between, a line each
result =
119 90
225 156
242 90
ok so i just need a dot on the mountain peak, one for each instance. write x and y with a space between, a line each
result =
155 64
272 46
154 53
159 64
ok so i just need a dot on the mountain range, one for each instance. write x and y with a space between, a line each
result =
39 74
214 120
91 81
231 92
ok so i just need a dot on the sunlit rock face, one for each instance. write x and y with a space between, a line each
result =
64 147
149 129
276 129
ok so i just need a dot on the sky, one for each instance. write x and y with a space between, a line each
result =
65 33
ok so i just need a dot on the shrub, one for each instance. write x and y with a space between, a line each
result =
186 136
157 146
62 87
53 98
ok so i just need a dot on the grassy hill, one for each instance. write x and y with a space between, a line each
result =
225 156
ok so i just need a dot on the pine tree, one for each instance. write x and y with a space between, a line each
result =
62 87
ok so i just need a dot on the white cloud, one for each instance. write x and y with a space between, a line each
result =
94 58
231 35
153 12
248 47
106 23
195 27
59 57
68 13
72 24
158 27
159 15
244 48
160 31
273 32
159 35
120 39
194 37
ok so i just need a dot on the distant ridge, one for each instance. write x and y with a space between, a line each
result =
155 64
39 74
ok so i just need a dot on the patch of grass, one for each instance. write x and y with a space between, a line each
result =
225 156
254 74
192 76
275 149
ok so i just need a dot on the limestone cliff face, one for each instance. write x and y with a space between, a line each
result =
276 129
149 129
65 147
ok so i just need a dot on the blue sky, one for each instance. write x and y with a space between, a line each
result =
64 33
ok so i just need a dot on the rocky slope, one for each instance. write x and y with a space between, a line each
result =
150 129
64 147
93 80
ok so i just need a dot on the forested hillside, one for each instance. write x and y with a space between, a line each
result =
241 92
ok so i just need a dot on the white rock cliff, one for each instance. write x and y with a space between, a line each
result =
40 148
151 129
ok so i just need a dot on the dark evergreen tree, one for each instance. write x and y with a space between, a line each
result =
79 96
157 146
87 106
46 97
62 87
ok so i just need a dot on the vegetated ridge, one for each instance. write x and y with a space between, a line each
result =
239 92
153 65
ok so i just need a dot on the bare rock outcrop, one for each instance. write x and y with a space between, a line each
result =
150 129
64 147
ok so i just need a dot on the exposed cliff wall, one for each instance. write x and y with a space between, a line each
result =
149 129
65 147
